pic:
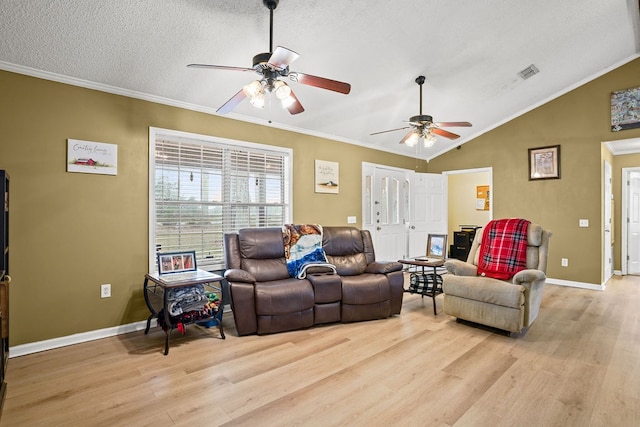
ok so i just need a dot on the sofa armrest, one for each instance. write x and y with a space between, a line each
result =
237 275
460 268
383 267
533 283
529 277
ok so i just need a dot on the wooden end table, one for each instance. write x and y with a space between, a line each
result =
424 283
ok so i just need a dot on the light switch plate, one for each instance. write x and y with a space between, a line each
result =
583 223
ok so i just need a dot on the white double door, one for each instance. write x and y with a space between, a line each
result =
400 207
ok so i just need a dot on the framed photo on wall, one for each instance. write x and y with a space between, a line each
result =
544 163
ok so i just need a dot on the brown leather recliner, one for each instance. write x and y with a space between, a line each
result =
265 299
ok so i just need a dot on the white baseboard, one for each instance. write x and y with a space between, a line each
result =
572 284
35 347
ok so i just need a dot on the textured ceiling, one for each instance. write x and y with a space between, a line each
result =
469 51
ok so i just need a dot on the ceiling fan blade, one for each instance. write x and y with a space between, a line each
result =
230 104
282 57
390 130
295 107
220 67
321 82
444 133
453 124
407 136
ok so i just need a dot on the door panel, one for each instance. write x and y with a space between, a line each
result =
633 229
428 210
607 256
388 212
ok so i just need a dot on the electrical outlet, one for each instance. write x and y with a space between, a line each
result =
105 291
351 220
565 262
583 222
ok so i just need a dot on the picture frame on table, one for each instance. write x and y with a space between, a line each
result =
176 262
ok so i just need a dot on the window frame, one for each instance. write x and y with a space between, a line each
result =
206 140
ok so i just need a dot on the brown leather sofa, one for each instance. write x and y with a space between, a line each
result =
265 299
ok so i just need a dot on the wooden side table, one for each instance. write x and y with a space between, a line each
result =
429 284
156 295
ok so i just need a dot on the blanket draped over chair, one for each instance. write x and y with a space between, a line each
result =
503 250
303 248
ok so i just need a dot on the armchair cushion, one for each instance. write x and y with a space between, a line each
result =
487 290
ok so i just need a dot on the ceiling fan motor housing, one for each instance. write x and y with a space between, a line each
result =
421 119
260 61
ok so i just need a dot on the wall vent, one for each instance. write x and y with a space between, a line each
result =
530 71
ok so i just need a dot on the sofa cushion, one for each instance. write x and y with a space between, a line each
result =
365 289
261 243
262 253
266 270
342 241
283 297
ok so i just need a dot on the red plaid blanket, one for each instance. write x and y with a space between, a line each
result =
503 251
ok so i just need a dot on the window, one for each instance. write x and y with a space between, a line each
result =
204 187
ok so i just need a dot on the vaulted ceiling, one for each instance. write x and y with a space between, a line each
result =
471 53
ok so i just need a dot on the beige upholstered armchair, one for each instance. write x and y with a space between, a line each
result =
508 305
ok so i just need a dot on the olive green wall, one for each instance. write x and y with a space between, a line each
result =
71 232
579 122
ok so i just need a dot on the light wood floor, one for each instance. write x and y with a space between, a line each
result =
578 365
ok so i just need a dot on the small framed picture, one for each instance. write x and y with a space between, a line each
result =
544 163
176 262
436 245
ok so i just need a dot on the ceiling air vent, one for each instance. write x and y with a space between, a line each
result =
530 71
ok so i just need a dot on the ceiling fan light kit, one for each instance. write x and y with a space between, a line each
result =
424 128
272 66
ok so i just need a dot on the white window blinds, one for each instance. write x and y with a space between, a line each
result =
204 189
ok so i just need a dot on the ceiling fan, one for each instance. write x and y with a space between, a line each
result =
424 128
271 66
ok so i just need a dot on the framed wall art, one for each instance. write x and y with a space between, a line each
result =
544 163
326 178
625 109
92 157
